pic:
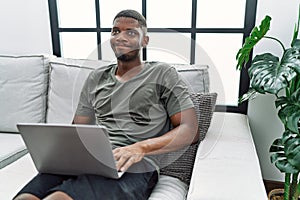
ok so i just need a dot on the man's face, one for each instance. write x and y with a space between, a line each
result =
127 38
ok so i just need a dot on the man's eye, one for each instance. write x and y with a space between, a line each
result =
115 32
131 33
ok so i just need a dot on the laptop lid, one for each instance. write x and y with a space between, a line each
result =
71 149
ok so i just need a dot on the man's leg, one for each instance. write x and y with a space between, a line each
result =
58 196
136 186
26 196
39 186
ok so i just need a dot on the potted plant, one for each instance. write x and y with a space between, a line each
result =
279 76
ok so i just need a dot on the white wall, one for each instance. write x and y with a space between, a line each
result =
264 122
25 27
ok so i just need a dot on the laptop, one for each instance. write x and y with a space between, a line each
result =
71 149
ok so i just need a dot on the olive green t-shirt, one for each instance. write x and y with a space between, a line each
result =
137 109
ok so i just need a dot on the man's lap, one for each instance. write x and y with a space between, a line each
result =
129 186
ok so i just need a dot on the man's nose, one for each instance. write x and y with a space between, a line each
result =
121 36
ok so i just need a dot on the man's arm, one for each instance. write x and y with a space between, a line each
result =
83 120
184 133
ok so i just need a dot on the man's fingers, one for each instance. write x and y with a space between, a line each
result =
117 154
126 160
126 157
127 164
121 158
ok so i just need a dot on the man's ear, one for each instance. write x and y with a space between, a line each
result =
145 41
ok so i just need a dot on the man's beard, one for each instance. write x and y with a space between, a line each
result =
128 56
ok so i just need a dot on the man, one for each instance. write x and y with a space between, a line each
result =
146 110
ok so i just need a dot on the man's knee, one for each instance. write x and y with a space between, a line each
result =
26 197
58 196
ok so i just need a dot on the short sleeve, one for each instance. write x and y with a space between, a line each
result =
174 92
85 107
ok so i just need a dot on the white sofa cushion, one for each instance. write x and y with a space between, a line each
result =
23 90
12 147
227 165
195 76
15 176
67 77
169 188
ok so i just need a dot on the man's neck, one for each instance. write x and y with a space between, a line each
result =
127 70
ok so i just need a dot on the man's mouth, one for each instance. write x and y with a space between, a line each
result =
122 48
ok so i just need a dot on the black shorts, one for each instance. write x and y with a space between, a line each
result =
131 186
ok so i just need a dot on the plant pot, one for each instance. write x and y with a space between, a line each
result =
276 194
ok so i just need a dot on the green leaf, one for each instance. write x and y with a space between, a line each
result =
255 36
267 75
247 96
292 151
274 149
277 146
285 112
279 156
296 43
293 120
289 113
296 29
291 59
296 96
287 135
294 85
285 167
281 101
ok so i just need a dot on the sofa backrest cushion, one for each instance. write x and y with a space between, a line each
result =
23 90
67 77
195 76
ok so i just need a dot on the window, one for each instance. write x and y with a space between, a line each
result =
208 32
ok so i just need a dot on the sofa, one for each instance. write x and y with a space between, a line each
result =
223 165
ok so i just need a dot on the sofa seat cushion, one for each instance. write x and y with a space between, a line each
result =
23 90
15 176
169 187
12 148
227 165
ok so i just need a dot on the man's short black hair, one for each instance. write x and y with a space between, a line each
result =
132 14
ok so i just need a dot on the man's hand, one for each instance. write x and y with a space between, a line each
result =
128 155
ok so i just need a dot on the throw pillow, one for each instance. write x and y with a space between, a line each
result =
204 106
180 163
